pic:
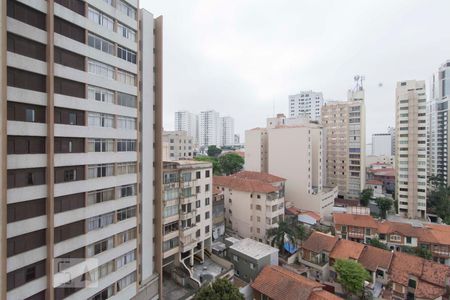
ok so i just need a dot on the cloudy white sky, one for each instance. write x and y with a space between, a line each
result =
244 57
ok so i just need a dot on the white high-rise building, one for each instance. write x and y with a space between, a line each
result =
438 125
411 148
209 133
188 122
382 144
80 167
226 131
306 104
345 130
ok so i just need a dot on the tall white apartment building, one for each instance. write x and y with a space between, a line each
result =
293 148
81 86
438 125
345 130
188 122
411 148
382 144
209 124
226 131
306 104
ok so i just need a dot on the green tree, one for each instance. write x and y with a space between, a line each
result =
365 197
217 170
385 205
439 198
300 232
418 251
219 289
231 163
351 275
377 243
277 235
214 151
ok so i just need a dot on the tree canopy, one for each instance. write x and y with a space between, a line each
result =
385 205
231 163
217 169
377 243
365 197
351 275
220 289
214 151
439 200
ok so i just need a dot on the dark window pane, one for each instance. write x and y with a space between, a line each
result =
26 47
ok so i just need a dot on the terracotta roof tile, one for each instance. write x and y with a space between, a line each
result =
354 220
246 185
280 284
296 211
374 182
318 242
346 249
261 176
372 258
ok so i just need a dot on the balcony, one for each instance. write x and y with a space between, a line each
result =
188 199
187 215
187 231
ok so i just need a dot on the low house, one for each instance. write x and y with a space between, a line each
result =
305 217
250 257
376 186
358 228
277 283
315 254
413 277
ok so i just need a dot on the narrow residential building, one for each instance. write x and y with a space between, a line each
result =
177 145
254 203
345 134
411 149
80 166
187 122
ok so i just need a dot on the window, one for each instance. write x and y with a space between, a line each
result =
21 276
126 281
125 259
127 236
100 120
197 203
70 175
100 221
100 145
126 145
172 243
69 30
258 207
128 190
126 213
252 266
207 229
30 115
69 116
99 94
100 196
25 210
126 54
207 201
126 123
412 283
100 18
207 215
235 258
101 44
126 32
408 240
170 211
197 174
70 88
126 77
26 80
207 173
99 247
101 170
206 187
26 47
126 168
100 69
26 14
69 59
126 9
126 100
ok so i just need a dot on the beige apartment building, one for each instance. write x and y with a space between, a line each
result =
254 202
81 116
187 214
345 130
411 148
293 148
177 145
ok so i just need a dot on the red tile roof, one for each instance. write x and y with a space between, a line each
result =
372 258
280 284
318 242
261 176
296 211
245 185
431 276
345 249
383 172
374 182
366 221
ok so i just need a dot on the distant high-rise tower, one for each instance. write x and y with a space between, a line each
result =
188 122
306 104
226 131
438 125
80 167
209 122
345 130
411 152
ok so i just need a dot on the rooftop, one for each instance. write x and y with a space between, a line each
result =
261 176
345 249
280 284
374 182
355 220
318 242
253 248
245 185
372 258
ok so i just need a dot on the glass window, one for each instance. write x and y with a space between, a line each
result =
100 18
126 100
100 120
100 69
126 145
125 259
100 221
128 190
126 54
126 32
101 44
103 170
126 281
30 115
99 94
126 9
100 145
126 77
126 123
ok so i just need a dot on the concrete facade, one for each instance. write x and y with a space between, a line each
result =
188 122
177 145
411 152
306 104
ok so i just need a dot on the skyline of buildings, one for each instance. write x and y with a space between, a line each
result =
79 131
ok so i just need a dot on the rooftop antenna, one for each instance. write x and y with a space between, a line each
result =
359 79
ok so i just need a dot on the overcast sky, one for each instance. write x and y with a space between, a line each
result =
243 58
